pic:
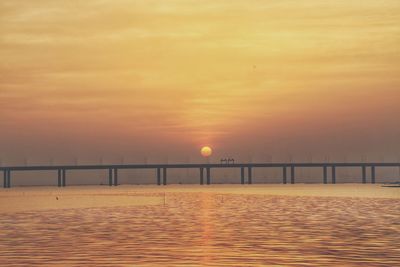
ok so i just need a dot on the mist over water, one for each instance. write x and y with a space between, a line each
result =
320 225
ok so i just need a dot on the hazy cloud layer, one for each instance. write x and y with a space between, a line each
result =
161 78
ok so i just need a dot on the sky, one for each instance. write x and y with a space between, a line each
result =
154 81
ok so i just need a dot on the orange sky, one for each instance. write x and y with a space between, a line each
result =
158 79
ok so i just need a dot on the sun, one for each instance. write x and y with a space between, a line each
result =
206 151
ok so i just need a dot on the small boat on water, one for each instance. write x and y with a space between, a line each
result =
394 184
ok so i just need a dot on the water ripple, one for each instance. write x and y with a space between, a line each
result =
209 229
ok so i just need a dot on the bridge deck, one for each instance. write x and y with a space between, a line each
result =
162 176
196 165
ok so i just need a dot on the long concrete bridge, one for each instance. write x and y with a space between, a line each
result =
288 170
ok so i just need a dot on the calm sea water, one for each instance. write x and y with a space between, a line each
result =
219 227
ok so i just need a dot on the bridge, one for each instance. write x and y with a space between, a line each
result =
288 170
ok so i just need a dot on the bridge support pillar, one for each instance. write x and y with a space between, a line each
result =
250 180
372 174
292 174
333 174
325 171
110 177
59 178
63 178
242 175
208 173
364 174
201 175
9 179
5 179
115 177
284 175
164 176
158 176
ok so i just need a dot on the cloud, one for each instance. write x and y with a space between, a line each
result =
181 70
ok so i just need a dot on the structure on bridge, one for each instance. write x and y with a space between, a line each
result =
161 170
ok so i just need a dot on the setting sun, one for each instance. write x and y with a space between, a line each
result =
206 151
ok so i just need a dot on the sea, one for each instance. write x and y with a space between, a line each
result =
194 225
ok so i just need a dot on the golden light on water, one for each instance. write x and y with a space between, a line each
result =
218 225
206 151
